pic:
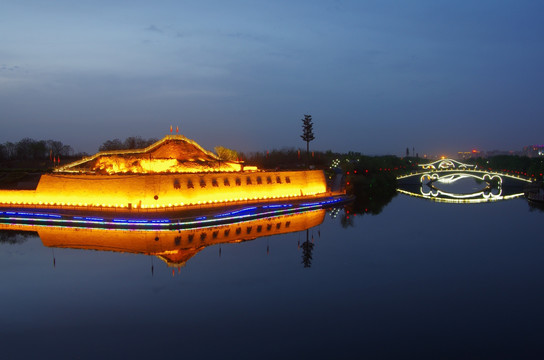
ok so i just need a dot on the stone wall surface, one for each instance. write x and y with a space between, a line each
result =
155 190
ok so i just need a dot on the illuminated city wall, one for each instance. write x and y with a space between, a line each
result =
166 190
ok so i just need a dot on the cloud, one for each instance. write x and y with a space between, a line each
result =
11 68
153 28
248 37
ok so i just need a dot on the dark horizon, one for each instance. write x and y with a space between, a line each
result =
67 150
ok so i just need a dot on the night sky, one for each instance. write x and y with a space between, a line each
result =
377 76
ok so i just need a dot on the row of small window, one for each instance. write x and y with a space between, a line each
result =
238 182
226 233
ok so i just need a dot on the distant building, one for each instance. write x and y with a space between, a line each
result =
501 152
530 151
533 150
468 154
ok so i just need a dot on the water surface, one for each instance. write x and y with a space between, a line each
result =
419 279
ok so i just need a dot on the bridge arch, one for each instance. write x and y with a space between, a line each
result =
422 183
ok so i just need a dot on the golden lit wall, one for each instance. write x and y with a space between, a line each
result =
164 190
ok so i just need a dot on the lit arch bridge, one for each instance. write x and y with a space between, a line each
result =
439 182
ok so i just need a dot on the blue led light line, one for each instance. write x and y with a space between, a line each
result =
153 225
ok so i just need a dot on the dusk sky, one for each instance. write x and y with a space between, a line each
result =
376 76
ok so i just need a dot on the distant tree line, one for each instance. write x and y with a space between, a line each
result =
533 167
132 142
287 158
30 149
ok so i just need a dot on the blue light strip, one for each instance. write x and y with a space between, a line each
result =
277 206
166 224
31 214
237 211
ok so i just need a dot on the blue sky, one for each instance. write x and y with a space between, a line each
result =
377 76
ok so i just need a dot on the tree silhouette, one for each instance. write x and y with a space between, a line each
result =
226 154
307 135
132 142
30 149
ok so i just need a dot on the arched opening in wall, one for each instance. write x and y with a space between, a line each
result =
259 180
238 182
248 180
177 185
226 182
268 180
190 184
278 179
287 179
202 183
214 183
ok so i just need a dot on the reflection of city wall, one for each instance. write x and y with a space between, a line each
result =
174 247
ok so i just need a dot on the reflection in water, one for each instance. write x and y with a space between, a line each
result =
15 237
464 184
536 207
307 248
372 194
434 194
487 195
174 247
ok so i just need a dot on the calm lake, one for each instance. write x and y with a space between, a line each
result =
420 279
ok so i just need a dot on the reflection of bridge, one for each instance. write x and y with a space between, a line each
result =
450 171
